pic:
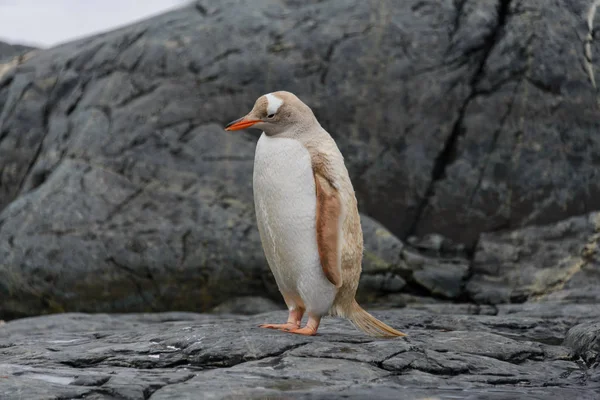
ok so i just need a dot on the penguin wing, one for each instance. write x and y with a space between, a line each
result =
329 208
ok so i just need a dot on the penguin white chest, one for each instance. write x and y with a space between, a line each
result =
286 206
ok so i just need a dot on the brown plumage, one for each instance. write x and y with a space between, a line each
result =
329 209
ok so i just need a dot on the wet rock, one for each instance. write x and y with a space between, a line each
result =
450 350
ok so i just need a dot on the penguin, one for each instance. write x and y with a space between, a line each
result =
307 216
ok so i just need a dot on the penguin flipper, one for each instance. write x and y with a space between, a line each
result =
329 208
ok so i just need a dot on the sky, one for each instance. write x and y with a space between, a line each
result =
45 23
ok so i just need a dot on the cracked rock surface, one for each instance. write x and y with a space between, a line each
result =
451 352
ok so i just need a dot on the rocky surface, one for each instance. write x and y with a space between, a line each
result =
560 261
120 191
452 352
469 129
9 51
11 56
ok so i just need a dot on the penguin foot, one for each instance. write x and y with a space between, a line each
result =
306 331
293 322
281 327
310 329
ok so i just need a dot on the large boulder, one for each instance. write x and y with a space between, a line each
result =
121 192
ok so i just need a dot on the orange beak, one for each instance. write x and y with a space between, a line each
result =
241 123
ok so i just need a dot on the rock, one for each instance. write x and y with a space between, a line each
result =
584 339
11 56
382 283
448 391
442 280
185 355
372 287
382 249
434 266
401 300
442 276
121 192
435 244
247 305
522 149
381 262
554 262
549 309
9 51
96 241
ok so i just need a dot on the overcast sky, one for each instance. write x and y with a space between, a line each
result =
44 23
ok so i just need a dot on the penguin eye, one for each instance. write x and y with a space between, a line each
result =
270 115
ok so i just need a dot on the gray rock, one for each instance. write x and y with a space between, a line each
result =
441 276
381 283
585 340
247 305
436 244
432 266
449 353
382 249
522 149
548 309
9 51
443 279
455 119
558 262
450 392
401 300
382 262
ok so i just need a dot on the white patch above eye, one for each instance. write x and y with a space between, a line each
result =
273 103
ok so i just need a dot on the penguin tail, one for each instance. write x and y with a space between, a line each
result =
370 325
